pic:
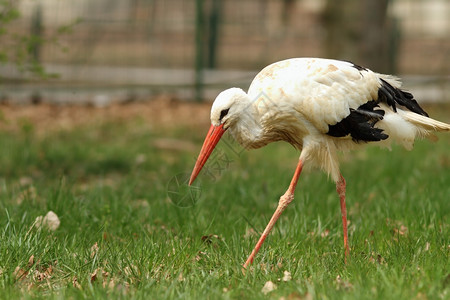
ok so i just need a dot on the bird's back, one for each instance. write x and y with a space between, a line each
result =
321 90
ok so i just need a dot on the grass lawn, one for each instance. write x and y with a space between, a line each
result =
129 230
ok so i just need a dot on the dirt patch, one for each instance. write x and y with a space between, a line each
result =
161 112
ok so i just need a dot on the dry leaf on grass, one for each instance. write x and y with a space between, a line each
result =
42 272
75 283
94 250
200 255
268 287
50 221
398 229
279 264
39 276
286 276
210 238
94 275
402 230
377 258
20 273
325 233
104 277
343 284
39 272
132 272
106 281
30 261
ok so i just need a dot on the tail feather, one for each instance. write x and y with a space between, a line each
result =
405 126
425 122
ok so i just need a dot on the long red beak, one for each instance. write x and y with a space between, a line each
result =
212 138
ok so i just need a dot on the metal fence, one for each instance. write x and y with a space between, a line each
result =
161 43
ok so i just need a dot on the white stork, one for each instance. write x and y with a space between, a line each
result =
319 106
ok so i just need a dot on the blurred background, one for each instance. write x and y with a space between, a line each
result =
107 51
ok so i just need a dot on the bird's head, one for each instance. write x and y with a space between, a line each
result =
225 112
227 106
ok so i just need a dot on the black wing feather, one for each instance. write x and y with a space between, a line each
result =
392 96
359 124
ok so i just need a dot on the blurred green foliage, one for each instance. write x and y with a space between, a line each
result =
23 49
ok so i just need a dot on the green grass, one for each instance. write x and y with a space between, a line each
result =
108 185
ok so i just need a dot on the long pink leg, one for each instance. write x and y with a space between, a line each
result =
282 204
340 188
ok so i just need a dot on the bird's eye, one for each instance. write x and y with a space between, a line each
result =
223 113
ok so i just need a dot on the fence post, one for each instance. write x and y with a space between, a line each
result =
199 46
213 34
36 34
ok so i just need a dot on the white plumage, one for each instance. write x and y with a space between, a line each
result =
320 106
